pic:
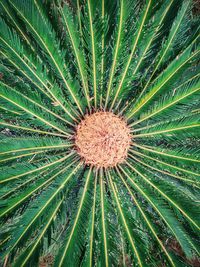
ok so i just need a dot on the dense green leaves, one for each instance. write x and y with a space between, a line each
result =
61 60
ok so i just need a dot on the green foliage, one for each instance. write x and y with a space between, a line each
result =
60 60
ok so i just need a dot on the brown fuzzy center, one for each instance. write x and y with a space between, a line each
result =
103 139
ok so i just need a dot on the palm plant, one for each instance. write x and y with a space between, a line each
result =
99 122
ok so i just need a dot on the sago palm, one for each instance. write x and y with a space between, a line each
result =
99 148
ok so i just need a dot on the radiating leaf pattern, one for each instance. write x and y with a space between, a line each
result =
63 59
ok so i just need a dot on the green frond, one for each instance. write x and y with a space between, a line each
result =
7 176
147 221
89 255
10 14
105 246
183 125
137 36
167 173
125 224
75 227
71 25
166 214
17 55
32 216
28 254
178 29
172 198
39 26
177 96
170 166
170 153
121 24
27 129
167 76
33 109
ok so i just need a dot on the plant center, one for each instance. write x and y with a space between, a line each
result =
103 139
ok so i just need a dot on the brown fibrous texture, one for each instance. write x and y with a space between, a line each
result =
102 139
